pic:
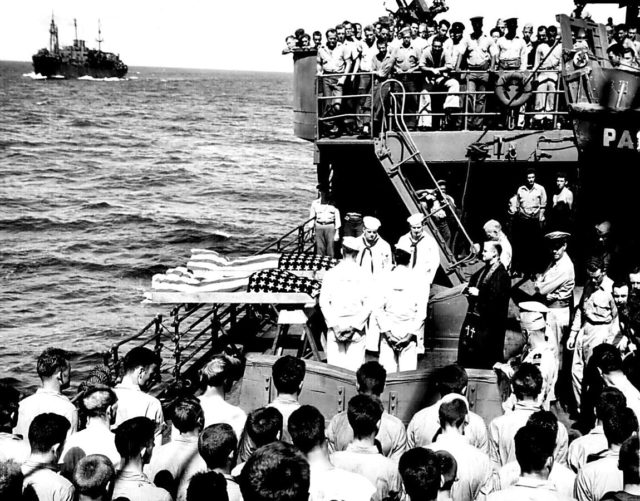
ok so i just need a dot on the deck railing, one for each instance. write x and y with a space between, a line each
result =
495 115
189 331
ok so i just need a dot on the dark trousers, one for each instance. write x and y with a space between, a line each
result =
477 103
528 248
411 83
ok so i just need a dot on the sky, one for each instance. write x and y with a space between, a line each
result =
223 34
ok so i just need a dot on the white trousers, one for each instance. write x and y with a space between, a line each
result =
349 355
392 361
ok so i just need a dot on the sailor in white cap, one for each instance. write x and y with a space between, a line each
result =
397 316
375 256
425 260
346 303
555 286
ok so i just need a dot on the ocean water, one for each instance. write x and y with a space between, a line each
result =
104 183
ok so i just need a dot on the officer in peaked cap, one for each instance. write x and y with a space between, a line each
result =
476 19
425 260
511 21
346 303
539 350
375 254
555 287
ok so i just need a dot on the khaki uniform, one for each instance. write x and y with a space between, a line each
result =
425 424
503 429
582 447
597 478
476 474
392 436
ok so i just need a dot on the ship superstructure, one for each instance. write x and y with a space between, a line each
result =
74 61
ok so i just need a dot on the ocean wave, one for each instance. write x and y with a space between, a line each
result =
34 76
31 223
192 236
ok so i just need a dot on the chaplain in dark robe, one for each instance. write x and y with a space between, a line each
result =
482 338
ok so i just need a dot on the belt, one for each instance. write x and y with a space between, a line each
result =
559 303
330 223
509 64
482 66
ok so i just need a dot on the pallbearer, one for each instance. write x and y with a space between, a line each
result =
555 287
425 260
375 256
398 317
346 303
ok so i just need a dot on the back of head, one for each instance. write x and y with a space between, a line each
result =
139 357
607 358
288 374
92 476
371 378
363 414
134 435
97 400
264 425
531 452
187 415
629 461
420 472
9 402
619 425
46 430
633 311
275 472
453 413
207 485
610 400
527 382
546 424
448 469
217 443
452 379
216 372
10 481
51 361
306 427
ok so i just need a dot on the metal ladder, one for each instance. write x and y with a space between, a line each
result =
449 263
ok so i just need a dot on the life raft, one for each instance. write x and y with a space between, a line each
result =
513 79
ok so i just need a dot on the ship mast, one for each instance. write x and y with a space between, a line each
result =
53 36
99 39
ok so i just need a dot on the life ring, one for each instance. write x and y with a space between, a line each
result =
509 80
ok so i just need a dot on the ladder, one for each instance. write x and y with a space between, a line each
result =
449 263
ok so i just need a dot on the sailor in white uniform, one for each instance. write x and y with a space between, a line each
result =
397 316
346 301
375 256
425 260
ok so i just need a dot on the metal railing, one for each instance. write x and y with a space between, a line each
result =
466 114
190 331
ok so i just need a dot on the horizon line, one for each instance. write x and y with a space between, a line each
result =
174 67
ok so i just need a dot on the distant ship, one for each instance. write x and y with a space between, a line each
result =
76 60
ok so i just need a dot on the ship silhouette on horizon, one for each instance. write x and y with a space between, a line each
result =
74 61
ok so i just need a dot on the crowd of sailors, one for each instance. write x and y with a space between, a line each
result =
114 442
447 69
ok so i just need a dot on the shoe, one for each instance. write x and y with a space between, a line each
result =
365 133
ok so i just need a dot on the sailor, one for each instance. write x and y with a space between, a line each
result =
425 260
375 256
406 59
555 286
397 316
592 323
479 58
538 351
561 217
527 207
327 224
346 303
512 50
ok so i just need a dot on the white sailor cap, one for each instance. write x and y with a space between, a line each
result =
557 237
404 246
416 219
371 223
352 244
532 315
